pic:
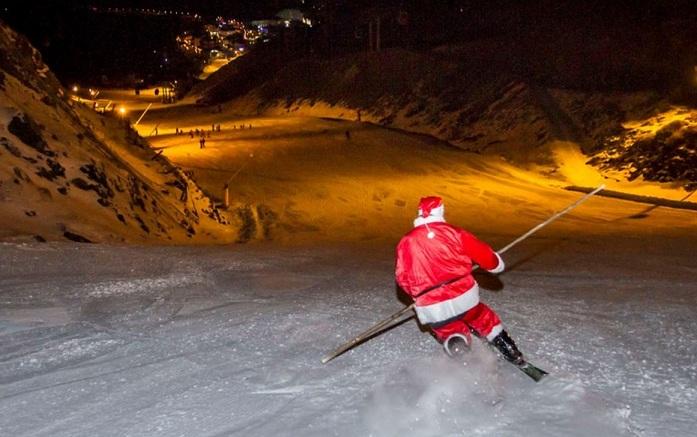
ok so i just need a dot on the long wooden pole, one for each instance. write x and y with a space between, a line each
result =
383 324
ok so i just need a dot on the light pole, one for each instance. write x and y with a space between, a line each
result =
142 115
227 183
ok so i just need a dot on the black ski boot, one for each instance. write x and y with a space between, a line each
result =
505 344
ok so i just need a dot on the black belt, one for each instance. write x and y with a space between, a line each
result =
445 322
449 281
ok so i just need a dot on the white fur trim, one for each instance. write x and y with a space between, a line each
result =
500 267
496 330
438 212
418 221
450 308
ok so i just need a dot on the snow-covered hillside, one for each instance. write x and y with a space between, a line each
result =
66 172
458 95
436 94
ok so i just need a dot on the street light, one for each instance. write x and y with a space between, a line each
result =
227 184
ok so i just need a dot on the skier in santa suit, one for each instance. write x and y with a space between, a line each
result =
434 266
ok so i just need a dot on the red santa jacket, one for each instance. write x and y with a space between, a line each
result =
443 265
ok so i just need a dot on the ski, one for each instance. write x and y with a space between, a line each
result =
532 371
457 347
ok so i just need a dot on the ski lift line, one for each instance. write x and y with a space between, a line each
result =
142 115
388 322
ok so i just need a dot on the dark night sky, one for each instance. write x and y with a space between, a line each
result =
245 9
77 43
585 12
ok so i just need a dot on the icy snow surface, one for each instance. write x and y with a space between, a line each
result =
227 341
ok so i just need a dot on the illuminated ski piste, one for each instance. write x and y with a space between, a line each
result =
226 341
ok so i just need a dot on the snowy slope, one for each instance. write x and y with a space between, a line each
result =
227 342
66 172
308 181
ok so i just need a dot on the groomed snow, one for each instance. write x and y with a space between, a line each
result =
227 341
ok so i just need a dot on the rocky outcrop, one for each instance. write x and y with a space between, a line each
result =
67 173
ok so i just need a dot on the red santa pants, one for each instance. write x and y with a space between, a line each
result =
482 319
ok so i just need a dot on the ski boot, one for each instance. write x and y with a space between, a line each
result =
505 344
457 345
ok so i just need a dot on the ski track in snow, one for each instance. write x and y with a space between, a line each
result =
227 342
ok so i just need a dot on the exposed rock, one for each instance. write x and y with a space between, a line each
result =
76 237
53 172
249 224
267 218
21 175
667 156
10 147
143 226
24 128
101 183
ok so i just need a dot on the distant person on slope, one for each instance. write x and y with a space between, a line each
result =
434 266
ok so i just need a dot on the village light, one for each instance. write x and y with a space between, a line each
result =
122 111
75 88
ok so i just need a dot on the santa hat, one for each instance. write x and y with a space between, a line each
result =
431 209
431 206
